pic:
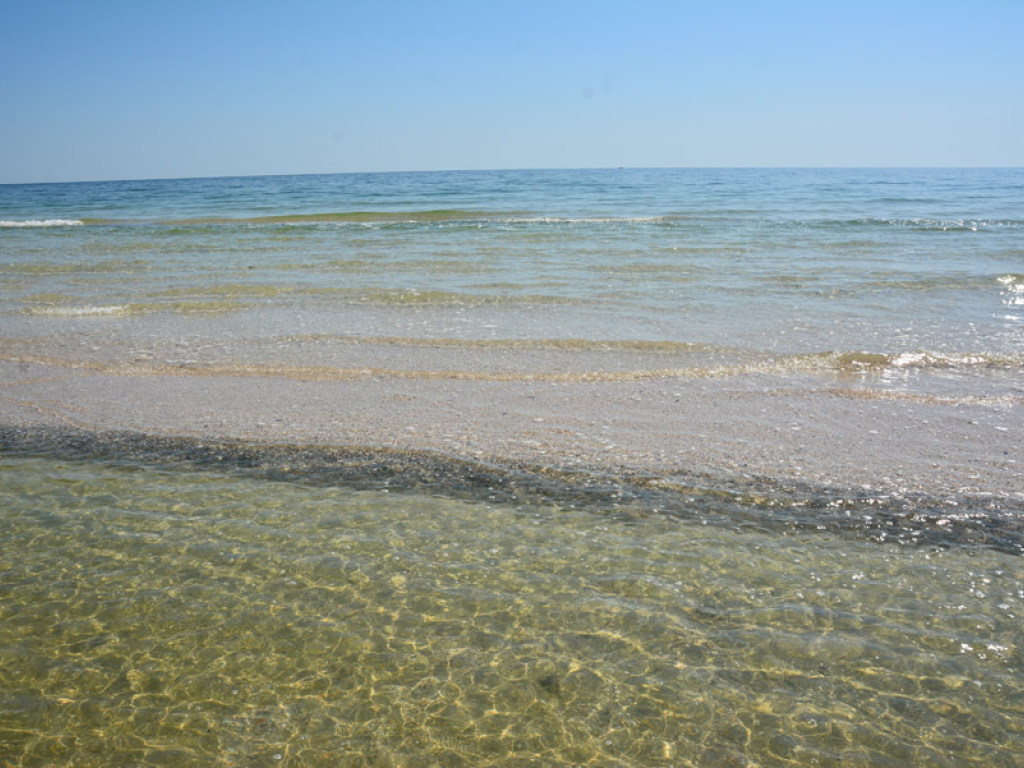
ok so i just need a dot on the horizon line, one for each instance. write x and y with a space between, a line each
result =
525 169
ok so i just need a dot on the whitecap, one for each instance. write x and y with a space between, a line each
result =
936 360
112 309
41 223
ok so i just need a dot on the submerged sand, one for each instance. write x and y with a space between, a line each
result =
767 426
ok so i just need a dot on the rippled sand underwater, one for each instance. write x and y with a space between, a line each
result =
154 614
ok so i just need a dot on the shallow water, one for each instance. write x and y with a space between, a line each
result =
910 279
789 261
155 616
172 601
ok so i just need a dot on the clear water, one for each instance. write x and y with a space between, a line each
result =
157 609
232 620
786 261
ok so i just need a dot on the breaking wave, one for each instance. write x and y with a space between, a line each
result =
28 223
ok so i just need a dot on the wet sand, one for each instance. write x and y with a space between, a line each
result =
771 427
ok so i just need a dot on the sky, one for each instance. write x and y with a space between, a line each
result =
181 88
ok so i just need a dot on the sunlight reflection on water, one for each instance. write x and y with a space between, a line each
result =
150 617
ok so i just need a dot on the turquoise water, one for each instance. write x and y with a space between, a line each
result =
193 603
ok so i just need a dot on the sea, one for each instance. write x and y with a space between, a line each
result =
174 600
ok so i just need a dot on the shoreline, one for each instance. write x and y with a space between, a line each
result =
758 447
793 429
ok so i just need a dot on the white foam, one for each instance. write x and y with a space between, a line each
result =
114 309
41 223
935 360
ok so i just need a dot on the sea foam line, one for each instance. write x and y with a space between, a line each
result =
114 309
42 223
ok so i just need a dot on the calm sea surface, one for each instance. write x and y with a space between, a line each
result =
155 610
794 261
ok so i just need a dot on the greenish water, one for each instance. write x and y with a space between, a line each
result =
157 615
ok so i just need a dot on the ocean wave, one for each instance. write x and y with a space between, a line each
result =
82 311
431 216
378 216
922 360
922 224
586 219
639 346
196 306
28 223
541 219
439 298
354 217
936 360
1012 282
456 216
448 215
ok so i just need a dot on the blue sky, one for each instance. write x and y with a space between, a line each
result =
169 88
